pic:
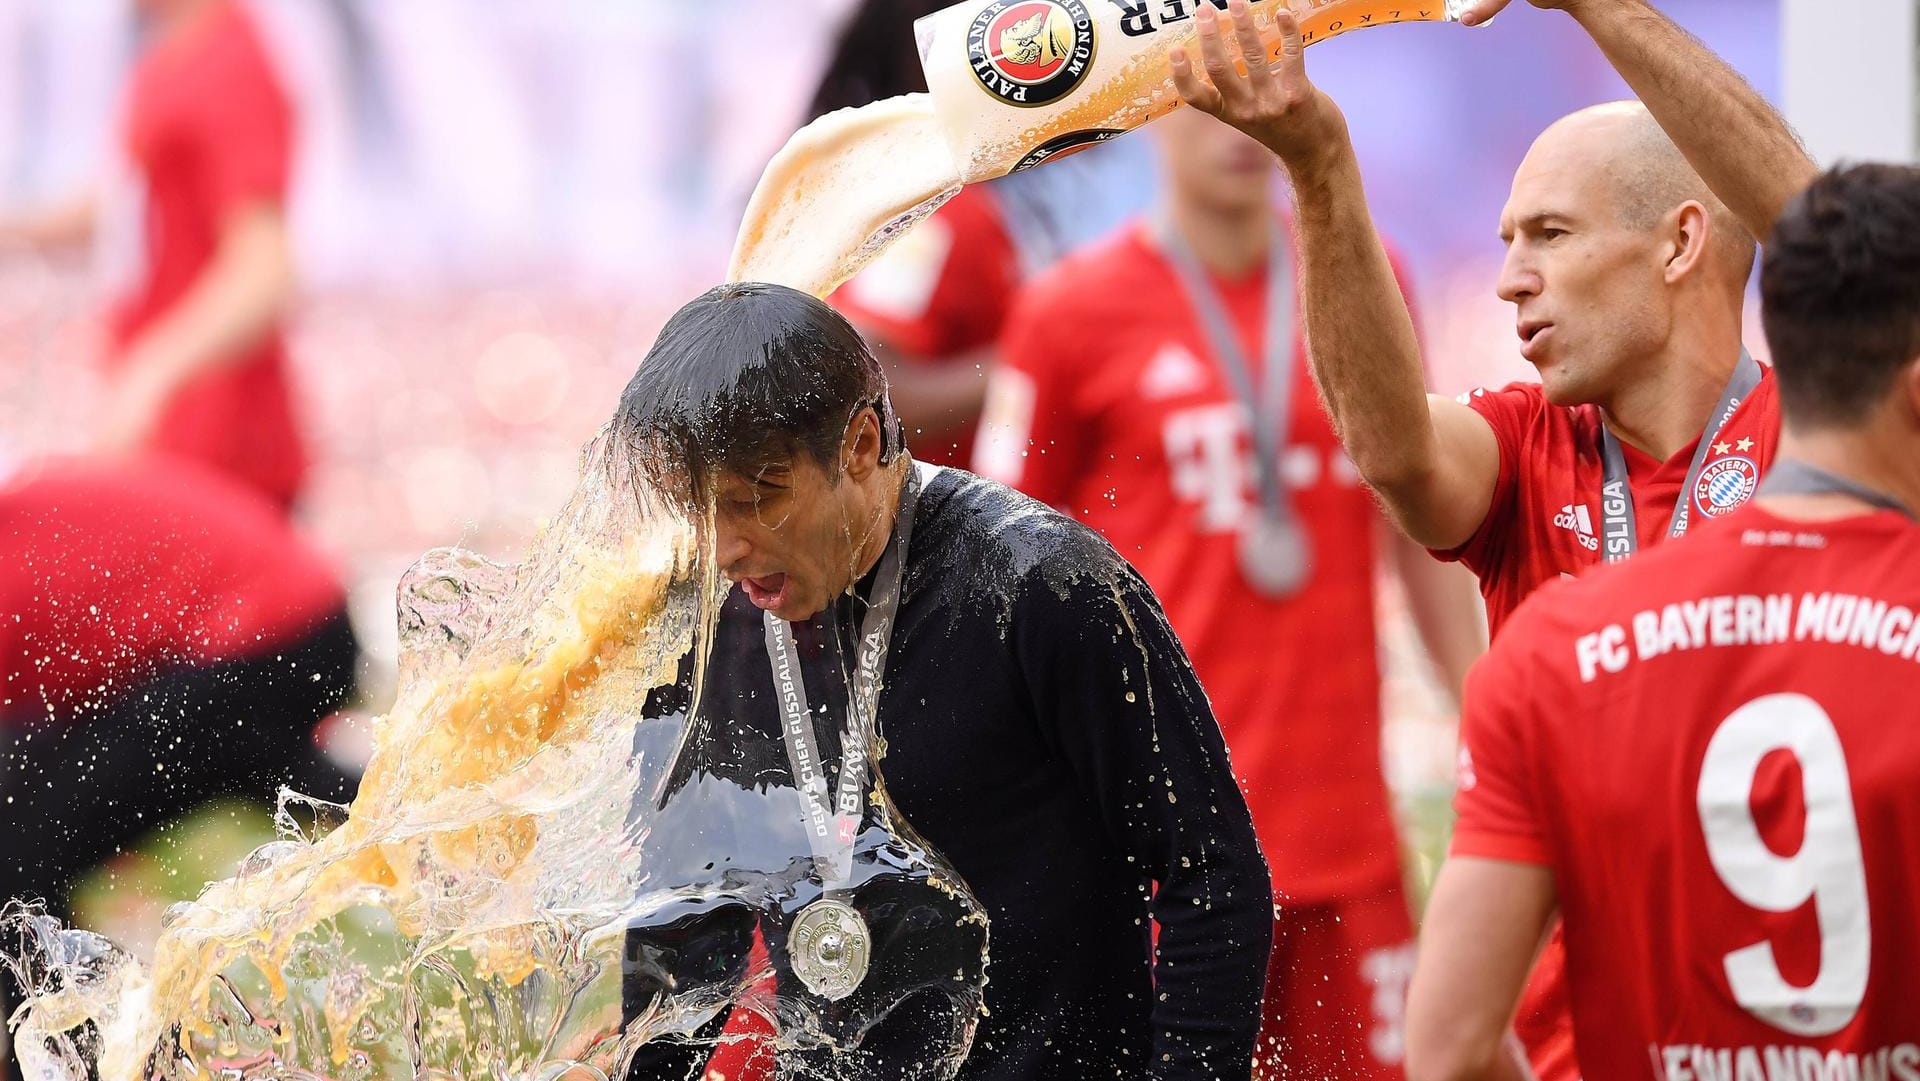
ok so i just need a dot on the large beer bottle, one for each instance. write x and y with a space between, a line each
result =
1016 82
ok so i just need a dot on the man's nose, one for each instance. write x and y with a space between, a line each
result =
731 547
1519 278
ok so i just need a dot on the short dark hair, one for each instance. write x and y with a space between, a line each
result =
745 377
1840 292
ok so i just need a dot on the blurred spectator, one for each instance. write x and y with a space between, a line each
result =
1155 386
168 640
933 304
197 368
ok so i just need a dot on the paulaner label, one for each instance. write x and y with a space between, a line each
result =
1031 52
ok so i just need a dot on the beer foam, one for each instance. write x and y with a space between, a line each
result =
840 191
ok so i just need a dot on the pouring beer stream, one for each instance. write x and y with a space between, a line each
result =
1013 84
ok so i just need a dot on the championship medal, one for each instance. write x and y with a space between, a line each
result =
829 947
1275 555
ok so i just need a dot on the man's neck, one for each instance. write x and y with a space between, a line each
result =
1228 242
888 483
1669 403
1867 456
182 16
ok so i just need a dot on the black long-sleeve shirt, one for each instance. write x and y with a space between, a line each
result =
1045 732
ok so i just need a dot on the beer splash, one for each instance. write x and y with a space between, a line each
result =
841 190
548 871
540 879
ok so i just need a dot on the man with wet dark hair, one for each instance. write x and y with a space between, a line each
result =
1043 728
785 393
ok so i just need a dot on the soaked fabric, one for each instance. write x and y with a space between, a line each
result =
1042 728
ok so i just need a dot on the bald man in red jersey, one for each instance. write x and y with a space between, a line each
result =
1627 270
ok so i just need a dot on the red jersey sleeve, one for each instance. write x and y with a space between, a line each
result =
942 289
243 120
1496 800
1511 412
1031 431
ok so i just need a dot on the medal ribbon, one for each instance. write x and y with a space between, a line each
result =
1622 534
1271 413
832 828
1792 477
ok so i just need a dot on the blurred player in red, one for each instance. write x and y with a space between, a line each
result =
1627 272
197 367
934 303
1706 759
166 639
1155 387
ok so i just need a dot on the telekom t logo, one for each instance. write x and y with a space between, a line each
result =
1207 456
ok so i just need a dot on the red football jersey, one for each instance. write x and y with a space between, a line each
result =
210 130
939 296
1546 523
1108 404
112 572
1545 519
1709 745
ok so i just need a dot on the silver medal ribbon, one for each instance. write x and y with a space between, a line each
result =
1275 552
1621 537
829 943
1790 476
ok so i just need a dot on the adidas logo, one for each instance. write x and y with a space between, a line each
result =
1576 519
1172 372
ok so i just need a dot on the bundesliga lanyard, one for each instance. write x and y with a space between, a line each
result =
1616 493
1274 553
1790 477
833 825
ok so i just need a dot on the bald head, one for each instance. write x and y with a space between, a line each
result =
1648 176
1618 257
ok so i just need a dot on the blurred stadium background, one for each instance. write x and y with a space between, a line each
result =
498 203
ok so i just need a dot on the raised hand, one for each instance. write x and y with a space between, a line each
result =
1273 101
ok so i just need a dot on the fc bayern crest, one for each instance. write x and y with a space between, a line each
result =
1726 485
1031 52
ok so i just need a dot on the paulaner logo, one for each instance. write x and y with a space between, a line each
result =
1031 52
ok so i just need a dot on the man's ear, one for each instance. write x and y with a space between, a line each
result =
1909 383
1690 234
860 451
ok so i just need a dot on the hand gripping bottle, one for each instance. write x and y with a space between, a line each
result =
1016 82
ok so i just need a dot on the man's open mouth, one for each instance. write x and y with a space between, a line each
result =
767 591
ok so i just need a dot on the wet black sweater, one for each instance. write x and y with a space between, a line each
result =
1044 730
